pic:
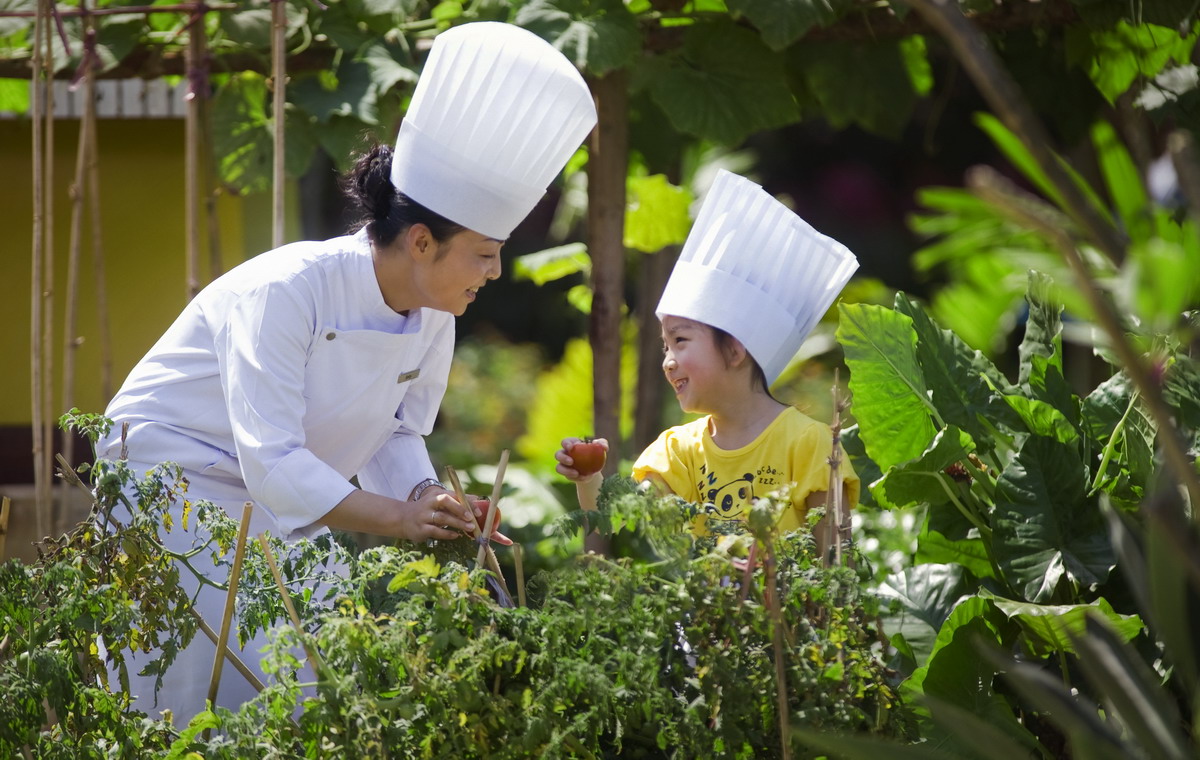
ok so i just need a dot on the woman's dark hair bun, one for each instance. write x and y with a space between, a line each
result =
382 209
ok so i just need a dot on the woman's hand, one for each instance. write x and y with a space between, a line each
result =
435 515
481 507
566 464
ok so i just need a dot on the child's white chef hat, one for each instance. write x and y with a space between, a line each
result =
497 113
756 270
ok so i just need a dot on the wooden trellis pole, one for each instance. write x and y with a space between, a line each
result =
279 88
196 83
78 192
93 195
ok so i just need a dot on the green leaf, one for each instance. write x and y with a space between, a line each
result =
1089 736
926 595
249 28
1125 436
1140 702
853 747
1043 326
955 672
986 739
426 567
863 83
1045 528
963 383
350 92
916 60
922 480
242 139
971 553
782 22
553 263
1116 57
14 96
446 11
1050 629
891 400
387 65
656 214
723 84
1042 418
1173 562
1123 181
598 36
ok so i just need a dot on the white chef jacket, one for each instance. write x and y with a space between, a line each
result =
285 377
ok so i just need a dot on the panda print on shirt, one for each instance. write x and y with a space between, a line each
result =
726 502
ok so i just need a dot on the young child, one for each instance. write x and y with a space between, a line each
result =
752 281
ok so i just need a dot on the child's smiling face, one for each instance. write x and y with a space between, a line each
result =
692 363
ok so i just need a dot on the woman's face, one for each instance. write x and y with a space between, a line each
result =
461 266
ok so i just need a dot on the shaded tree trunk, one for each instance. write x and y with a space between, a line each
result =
608 146
648 420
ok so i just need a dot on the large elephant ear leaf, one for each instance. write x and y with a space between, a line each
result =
963 383
891 400
1045 526
956 673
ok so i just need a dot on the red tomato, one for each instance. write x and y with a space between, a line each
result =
588 456
486 507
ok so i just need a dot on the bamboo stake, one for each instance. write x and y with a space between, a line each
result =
279 87
77 192
236 661
491 517
37 362
493 564
773 602
517 564
314 660
834 506
93 194
235 574
5 507
193 58
49 506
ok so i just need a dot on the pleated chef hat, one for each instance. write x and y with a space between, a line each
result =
496 114
756 270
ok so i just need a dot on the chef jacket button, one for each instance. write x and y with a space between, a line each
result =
330 336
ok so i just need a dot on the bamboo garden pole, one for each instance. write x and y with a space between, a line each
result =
38 280
98 273
235 575
47 396
78 193
5 508
194 58
278 87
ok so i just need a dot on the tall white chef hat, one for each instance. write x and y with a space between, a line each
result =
756 270
497 113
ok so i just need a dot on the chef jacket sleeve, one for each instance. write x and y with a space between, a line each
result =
403 461
262 349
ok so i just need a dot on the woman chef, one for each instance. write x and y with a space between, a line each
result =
320 361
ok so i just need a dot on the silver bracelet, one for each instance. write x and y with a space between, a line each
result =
421 487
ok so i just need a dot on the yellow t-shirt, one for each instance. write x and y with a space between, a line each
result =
794 448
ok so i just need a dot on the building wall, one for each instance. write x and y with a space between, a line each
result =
141 169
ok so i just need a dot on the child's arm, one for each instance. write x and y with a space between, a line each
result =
587 487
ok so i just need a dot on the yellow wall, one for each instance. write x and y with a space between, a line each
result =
142 209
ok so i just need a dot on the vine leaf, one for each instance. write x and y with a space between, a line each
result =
723 84
597 35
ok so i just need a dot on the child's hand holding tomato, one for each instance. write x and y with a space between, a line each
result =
581 458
